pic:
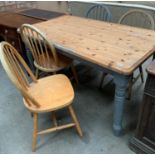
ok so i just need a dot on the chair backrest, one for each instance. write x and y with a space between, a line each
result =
16 69
137 18
99 12
42 50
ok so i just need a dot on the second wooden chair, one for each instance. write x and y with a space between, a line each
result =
46 57
137 18
99 12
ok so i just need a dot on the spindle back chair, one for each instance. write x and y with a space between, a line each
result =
99 12
137 18
60 93
142 19
16 69
40 47
44 53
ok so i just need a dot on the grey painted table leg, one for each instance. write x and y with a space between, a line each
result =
121 83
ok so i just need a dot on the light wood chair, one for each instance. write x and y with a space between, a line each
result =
46 57
137 18
47 94
99 12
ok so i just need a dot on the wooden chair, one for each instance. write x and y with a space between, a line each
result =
99 12
45 55
137 18
47 94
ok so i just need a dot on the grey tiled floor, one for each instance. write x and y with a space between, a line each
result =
93 107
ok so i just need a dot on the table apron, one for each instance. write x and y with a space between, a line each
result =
69 53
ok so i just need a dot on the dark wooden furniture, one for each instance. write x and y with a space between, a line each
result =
10 21
40 14
144 139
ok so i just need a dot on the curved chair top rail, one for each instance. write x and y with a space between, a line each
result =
40 47
16 69
138 18
99 12
128 5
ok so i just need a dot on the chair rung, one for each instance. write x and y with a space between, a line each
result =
56 128
136 78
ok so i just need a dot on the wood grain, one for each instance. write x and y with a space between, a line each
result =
52 93
119 48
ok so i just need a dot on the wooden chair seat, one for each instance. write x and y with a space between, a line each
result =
52 93
50 65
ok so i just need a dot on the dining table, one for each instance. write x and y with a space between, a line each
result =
112 48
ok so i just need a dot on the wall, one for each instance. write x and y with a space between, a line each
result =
80 8
58 6
147 3
12 5
76 8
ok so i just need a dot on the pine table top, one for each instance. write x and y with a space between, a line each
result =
119 48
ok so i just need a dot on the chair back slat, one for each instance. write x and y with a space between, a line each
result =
21 73
137 18
16 69
99 12
31 44
47 53
40 47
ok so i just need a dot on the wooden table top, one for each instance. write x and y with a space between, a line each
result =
117 47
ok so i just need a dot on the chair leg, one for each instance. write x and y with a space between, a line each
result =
35 130
141 73
75 74
54 119
37 73
77 125
102 79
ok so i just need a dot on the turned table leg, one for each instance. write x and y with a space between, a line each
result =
121 83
